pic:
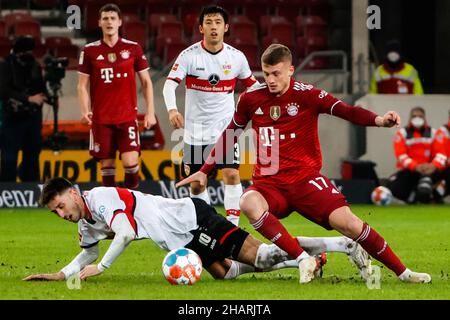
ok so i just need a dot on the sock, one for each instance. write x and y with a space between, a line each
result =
271 228
317 245
283 265
108 176
231 202
203 195
378 248
238 268
132 177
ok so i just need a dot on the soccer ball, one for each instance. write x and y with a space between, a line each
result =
182 266
381 196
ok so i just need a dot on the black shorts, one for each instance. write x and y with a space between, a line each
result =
215 238
195 156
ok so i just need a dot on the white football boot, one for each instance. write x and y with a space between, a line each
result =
414 277
307 268
361 259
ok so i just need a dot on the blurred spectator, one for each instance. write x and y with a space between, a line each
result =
22 91
419 161
395 76
443 137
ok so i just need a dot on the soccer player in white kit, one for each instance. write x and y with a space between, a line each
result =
211 69
125 215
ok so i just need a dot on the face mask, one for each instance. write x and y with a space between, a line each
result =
393 57
418 122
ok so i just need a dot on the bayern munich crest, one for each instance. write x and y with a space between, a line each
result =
125 54
292 109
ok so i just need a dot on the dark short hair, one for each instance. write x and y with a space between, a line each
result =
212 9
52 188
275 54
417 109
110 7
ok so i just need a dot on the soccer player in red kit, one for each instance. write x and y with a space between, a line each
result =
284 114
107 95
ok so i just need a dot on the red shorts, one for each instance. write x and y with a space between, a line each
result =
314 197
107 139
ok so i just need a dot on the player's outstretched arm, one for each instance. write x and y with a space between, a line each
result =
389 120
196 177
59 276
124 234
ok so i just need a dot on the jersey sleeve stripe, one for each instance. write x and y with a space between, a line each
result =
177 80
130 205
331 109
145 69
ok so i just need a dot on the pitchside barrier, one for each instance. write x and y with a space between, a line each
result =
26 195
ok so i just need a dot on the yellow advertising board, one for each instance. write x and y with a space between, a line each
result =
78 166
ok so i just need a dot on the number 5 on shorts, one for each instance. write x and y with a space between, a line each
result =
132 133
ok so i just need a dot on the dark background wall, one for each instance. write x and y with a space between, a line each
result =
424 31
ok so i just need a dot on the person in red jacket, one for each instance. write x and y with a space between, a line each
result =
442 137
420 160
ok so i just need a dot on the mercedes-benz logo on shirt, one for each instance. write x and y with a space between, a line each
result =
213 79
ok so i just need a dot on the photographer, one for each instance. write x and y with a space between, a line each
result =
22 91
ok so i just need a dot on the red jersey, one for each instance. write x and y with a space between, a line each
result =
112 79
286 129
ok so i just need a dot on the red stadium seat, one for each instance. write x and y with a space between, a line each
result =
163 41
306 45
239 19
46 4
318 8
196 35
250 50
135 31
244 30
314 25
55 42
156 18
12 18
289 9
267 20
31 28
158 6
190 21
5 47
130 17
170 29
172 50
254 9
2 29
317 64
280 33
70 52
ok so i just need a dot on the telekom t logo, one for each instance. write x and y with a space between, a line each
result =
107 74
267 135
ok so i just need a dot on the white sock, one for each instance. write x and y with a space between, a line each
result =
283 265
231 202
405 275
304 255
203 195
237 268
317 245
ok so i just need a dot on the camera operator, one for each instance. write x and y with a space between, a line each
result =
22 91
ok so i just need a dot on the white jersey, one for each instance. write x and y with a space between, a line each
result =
210 82
165 221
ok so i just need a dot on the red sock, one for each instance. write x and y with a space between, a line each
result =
272 229
132 177
108 176
378 248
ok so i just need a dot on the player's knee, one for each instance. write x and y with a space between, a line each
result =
197 189
231 177
250 205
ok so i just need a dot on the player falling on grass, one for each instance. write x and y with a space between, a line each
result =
126 215
107 96
211 69
284 114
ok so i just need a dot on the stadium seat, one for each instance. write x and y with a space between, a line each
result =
170 29
163 41
318 8
130 17
250 51
14 17
254 9
135 31
306 45
24 28
289 9
70 52
279 33
316 64
246 31
156 18
45 4
197 36
172 50
189 21
314 25
158 6
55 42
2 29
5 47
266 20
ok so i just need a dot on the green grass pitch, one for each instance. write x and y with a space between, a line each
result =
36 241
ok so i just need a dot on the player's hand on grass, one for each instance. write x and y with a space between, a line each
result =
196 177
45 277
89 271
86 118
389 120
149 120
176 119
